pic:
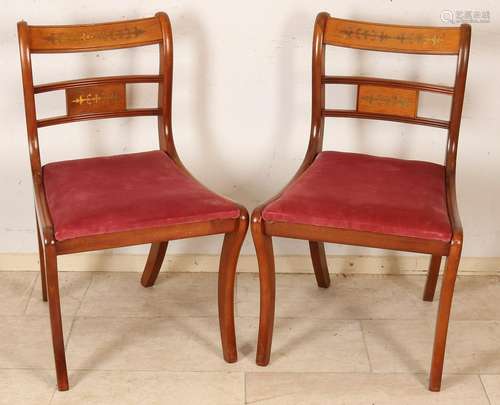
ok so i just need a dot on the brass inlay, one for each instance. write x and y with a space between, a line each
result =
108 35
382 36
90 99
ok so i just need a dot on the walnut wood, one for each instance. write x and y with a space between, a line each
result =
113 36
50 256
96 99
153 264
392 38
65 119
326 31
94 37
95 81
320 264
432 278
227 274
443 317
384 100
265 257
436 88
41 258
431 122
356 238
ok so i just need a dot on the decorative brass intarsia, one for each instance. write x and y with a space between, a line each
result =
94 99
387 100
393 38
107 35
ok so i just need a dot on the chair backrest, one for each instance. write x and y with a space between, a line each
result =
386 99
100 97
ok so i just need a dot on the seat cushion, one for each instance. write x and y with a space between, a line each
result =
125 192
367 193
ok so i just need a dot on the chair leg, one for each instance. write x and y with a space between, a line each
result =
42 262
153 264
227 274
320 265
432 278
265 257
55 316
443 317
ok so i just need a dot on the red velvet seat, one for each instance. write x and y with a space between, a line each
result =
367 193
125 192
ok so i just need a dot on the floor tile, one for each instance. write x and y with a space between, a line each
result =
492 386
348 297
25 387
72 288
476 298
360 389
25 342
406 346
176 294
15 289
193 344
152 388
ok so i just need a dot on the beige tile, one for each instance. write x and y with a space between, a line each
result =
15 289
492 386
25 387
193 344
402 346
25 342
178 294
72 287
152 387
476 298
360 389
348 297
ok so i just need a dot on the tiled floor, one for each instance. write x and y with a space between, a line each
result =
365 340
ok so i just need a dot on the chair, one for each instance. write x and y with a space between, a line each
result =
356 199
107 202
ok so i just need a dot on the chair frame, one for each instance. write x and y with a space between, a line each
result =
95 37
263 231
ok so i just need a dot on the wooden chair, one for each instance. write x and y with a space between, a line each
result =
106 202
363 200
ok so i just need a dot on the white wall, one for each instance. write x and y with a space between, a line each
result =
242 103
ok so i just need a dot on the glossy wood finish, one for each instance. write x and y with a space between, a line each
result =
392 38
153 264
55 39
103 98
388 100
378 37
227 275
94 37
320 265
432 278
41 258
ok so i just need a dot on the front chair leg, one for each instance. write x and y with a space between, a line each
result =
227 273
320 265
432 278
55 316
153 264
265 257
443 317
42 262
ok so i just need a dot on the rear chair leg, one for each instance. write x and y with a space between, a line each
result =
265 257
55 316
432 278
42 262
153 264
227 274
443 317
320 265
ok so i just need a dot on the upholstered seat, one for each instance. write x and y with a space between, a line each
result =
125 192
367 193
